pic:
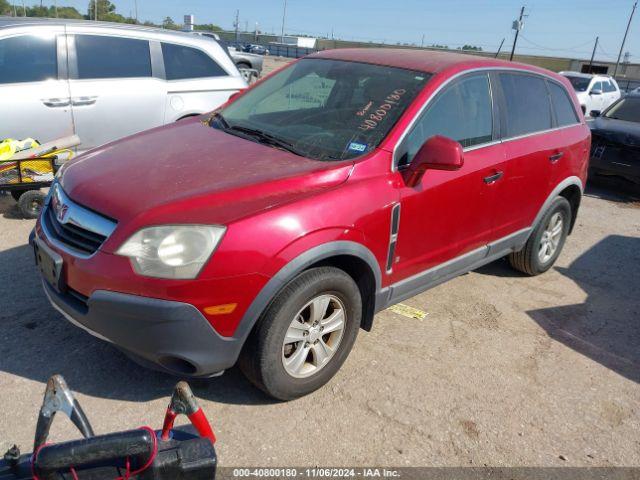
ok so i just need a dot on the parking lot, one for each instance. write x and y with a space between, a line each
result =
504 369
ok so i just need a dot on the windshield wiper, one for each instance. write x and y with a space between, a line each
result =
265 138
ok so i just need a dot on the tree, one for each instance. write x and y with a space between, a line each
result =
470 48
52 12
5 8
209 27
168 23
106 9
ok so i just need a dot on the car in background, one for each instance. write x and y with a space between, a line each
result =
247 63
595 92
342 184
257 49
104 81
615 144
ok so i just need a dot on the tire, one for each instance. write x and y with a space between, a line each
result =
30 203
16 194
243 65
530 259
265 352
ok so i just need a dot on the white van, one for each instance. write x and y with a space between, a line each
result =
103 81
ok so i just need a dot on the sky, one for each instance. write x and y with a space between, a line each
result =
553 27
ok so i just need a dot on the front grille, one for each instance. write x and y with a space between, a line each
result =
73 227
71 235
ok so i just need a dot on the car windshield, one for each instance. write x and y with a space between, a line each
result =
627 109
323 109
580 84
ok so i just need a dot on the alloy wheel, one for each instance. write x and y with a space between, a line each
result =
314 335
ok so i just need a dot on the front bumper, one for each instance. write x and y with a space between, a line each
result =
170 336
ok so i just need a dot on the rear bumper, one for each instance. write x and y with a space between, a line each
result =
170 336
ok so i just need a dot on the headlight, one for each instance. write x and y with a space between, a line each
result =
171 251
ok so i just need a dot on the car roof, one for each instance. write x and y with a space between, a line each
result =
428 61
586 75
6 22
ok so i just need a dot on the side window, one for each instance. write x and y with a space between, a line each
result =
565 113
28 58
527 104
185 62
462 112
597 86
608 87
112 57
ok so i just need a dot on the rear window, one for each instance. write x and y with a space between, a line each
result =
580 84
565 113
112 57
527 102
28 58
182 62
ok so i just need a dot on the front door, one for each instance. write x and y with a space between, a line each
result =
448 216
113 91
33 86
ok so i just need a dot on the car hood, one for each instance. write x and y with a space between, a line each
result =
616 131
189 172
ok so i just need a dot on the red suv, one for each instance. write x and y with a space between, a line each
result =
269 232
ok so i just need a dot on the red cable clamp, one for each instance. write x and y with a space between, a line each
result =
183 402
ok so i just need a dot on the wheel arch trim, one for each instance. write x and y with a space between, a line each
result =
297 265
567 182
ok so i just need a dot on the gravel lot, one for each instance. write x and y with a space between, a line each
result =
505 370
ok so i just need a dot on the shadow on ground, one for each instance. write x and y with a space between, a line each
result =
613 189
9 207
36 342
606 327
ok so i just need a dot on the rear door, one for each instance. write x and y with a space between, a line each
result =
528 147
34 92
569 135
113 89
195 81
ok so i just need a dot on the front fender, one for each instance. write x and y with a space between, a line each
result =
298 256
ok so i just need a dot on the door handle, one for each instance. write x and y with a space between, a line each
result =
493 178
82 101
555 157
56 102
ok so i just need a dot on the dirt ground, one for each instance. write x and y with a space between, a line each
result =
504 370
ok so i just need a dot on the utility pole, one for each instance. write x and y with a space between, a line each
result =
422 41
615 71
284 15
256 33
517 26
55 4
499 48
236 24
593 54
24 9
135 3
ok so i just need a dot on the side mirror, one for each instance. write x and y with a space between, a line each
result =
595 91
594 113
437 153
